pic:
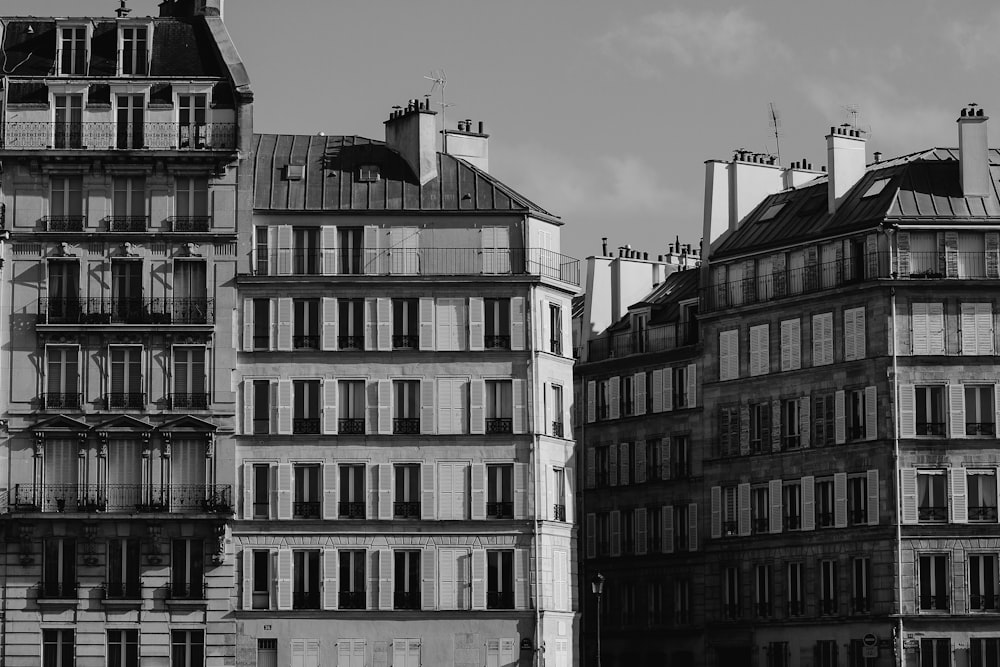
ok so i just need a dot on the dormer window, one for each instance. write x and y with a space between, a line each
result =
368 173
134 50
72 55
771 212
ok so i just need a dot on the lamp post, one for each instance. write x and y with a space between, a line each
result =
597 586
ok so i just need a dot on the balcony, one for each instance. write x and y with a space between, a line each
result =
305 509
406 426
133 400
190 401
499 599
557 429
980 602
111 135
128 223
558 512
123 590
61 401
983 513
350 342
652 339
828 606
930 428
405 341
406 510
123 498
64 223
190 223
857 517
310 342
351 426
793 522
351 600
305 425
351 509
187 590
934 603
500 510
730 528
760 526
406 600
126 310
980 428
933 513
493 342
499 425
731 611
860 606
57 590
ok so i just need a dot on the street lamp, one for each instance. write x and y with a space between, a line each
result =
597 586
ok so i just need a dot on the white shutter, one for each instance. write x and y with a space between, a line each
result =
428 491
839 418
716 499
522 572
805 421
479 579
521 491
759 349
840 500
248 491
958 488
871 413
850 348
668 389
385 407
692 527
614 397
284 580
477 412
383 328
591 401
427 408
623 464
956 410
285 406
426 313
822 325
873 497
248 326
968 326
743 504
667 528
477 324
247 579
692 385
907 411
248 407
370 316
808 503
935 328
908 493
330 509
775 517
984 328
385 512
329 578
657 388
385 580
640 462
520 415
284 324
640 531
517 341
328 339
284 491
639 383
729 355
860 334
284 242
478 491
616 545
791 345
590 472
428 588
328 249
330 422
919 328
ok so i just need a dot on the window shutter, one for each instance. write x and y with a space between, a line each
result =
521 491
839 419
984 328
385 580
284 250
560 568
328 249
871 413
373 259
545 345
477 412
614 397
247 579
284 579
667 530
284 491
935 326
996 405
808 503
743 500
623 464
692 385
284 406
860 334
791 345
760 363
591 535
370 314
479 579
248 325
840 500
522 596
918 327
570 488
873 497
640 531
775 425
427 491
427 405
616 542
517 323
520 416
640 462
479 491
284 324
612 465
428 587
850 346
328 339
476 324
716 501
639 382
968 326
958 486
907 411
591 471
992 255
383 328
805 422
247 490
664 447
668 389
726 352
329 406
774 496
385 407
248 407
385 512
956 410
591 401
903 254
744 430
330 491
908 493
426 309
329 578
657 388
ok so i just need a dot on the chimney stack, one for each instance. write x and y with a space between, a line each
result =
974 152
845 151
412 132
468 144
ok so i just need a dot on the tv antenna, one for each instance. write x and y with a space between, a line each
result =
440 80
123 11
775 120
854 111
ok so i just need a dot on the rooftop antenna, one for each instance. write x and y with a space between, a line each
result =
123 11
854 111
776 126
440 80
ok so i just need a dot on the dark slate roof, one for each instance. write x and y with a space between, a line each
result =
182 47
331 179
664 299
922 186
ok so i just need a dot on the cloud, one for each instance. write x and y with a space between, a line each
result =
976 43
727 43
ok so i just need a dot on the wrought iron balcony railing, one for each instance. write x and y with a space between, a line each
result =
828 606
190 223
61 401
497 342
306 342
128 223
934 602
351 426
190 401
132 400
57 590
406 510
980 428
930 428
111 135
557 429
352 342
499 599
304 425
64 223
983 602
500 510
935 513
351 600
123 590
559 512
405 341
824 519
125 498
193 589
126 310
983 513
406 600
652 339
305 509
860 605
499 425
406 425
351 510
305 599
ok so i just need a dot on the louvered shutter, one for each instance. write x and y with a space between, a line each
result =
743 503
248 326
623 465
639 382
284 491
903 254
614 397
284 324
839 419
716 500
840 500
640 462
775 425
664 448
522 596
958 488
907 411
805 422
428 491
477 412
328 249
384 473
520 414
692 527
517 341
871 413
479 579
247 579
992 255
247 491
640 531
791 345
427 406
919 327
284 254
850 347
808 485
329 407
692 385
872 497
426 313
591 470
370 316
330 491
759 348
984 328
285 406
935 328
744 430
478 510
591 401
968 326
860 334
956 410
616 545
774 496
383 327
612 465
284 579
328 338
373 258
330 578
384 407
521 491
657 388
668 389
477 324
908 494
591 521
428 587
385 579
667 529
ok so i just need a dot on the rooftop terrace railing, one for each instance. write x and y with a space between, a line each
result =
653 339
111 135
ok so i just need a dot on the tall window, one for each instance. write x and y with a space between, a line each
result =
731 598
729 430
793 588
351 324
930 410
192 116
932 501
730 513
62 388
982 490
189 379
405 330
983 586
791 505
191 205
126 387
760 427
499 406
824 503
261 324
980 413
187 648
59 568
306 408
123 648
860 585
500 579
557 410
681 527
261 490
261 406
790 436
680 457
555 328
187 569
406 582
349 249
777 654
262 252
559 494
828 587
352 579
935 652
934 582
128 206
123 569
628 395
66 204
406 406
824 421
305 251
682 602
407 479
307 492
57 648
73 51
759 509
261 579
134 51
500 491
497 324
69 121
305 579
352 491
983 652
679 378
190 296
131 116
857 500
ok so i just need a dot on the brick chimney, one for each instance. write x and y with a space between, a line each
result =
412 132
974 152
472 145
845 152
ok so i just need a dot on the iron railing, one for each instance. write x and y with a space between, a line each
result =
934 513
828 606
61 401
351 510
126 310
190 223
351 599
499 425
173 498
406 510
981 602
497 342
64 223
653 339
499 599
934 602
405 341
193 589
559 512
190 401
406 425
557 429
306 342
351 426
416 261
111 135
305 509
57 590
302 425
130 400
128 223
983 513
406 600
352 342
860 605
500 510
123 590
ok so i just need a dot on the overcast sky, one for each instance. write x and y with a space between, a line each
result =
604 112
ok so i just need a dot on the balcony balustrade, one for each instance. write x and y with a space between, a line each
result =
132 400
406 425
351 600
499 425
652 339
500 510
123 498
305 425
406 510
61 401
126 310
351 426
111 135
351 510
190 401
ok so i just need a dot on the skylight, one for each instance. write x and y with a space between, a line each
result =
876 188
771 212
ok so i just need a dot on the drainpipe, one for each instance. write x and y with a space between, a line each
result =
894 388
534 465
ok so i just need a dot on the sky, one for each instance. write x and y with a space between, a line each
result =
604 113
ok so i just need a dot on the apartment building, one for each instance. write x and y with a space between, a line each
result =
405 453
121 186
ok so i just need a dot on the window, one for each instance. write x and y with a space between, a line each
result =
499 406
351 324
69 122
500 579
406 406
855 414
262 251
933 585
681 527
261 490
729 430
935 652
860 585
405 326
190 296
982 490
450 324
406 582
307 491
557 412
857 500
500 491
791 345
497 324
980 410
731 607
57 648
262 578
822 337
306 415
790 423
603 529
130 127
759 509
59 569
407 504
62 377
187 573
854 334
559 494
680 459
791 505
124 559
759 358
349 244
628 395
628 531
656 613
654 459
187 648
729 355
189 379
351 406
777 652
984 652
126 388
983 586
682 602
826 653
762 591
932 502
828 587
305 251
977 325
352 491
352 579
64 291
930 410
192 119
452 490
305 335
602 400
128 206
730 517
796 600
305 579
627 604
261 324
261 406
73 50
123 648
823 417
134 50
679 378
824 502
66 205
555 328
192 205
760 427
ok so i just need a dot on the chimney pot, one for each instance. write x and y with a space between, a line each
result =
482 127
973 152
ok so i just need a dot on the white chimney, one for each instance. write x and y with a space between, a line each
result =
845 153
210 8
799 173
974 152
468 144
412 132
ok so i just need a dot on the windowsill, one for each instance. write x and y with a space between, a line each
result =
57 602
122 603
185 603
